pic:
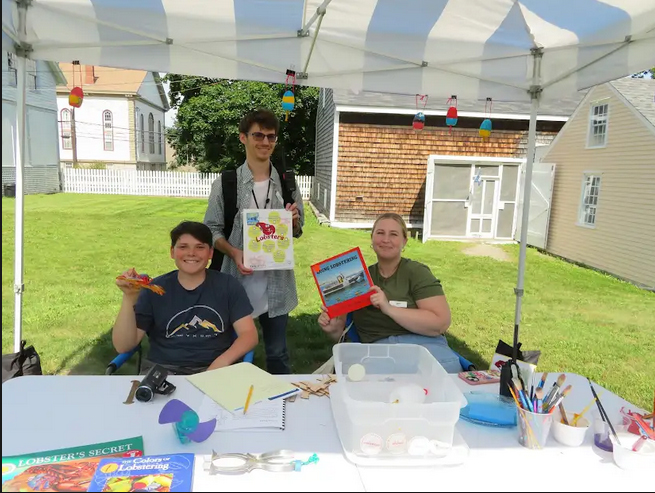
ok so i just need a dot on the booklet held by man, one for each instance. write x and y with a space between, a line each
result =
267 239
343 282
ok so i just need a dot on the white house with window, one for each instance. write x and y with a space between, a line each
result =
120 122
603 206
42 159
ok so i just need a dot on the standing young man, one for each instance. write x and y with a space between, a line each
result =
259 186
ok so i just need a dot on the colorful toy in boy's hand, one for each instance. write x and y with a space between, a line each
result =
142 281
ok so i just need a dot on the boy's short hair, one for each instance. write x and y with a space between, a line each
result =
264 118
199 231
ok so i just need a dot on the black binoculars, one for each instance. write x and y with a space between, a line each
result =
154 383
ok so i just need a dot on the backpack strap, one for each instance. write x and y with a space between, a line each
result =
288 180
229 187
229 184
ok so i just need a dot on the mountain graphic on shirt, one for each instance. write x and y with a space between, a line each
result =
194 324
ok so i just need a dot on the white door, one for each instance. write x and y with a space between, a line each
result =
543 178
483 208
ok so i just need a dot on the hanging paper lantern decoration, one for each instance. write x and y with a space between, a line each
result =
419 121
75 97
288 101
485 128
451 116
419 117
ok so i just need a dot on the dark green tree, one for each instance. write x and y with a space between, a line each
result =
208 115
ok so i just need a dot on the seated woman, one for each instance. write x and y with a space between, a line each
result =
408 302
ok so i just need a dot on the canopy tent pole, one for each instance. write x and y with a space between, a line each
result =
535 91
19 161
320 12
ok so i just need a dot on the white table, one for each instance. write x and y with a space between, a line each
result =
42 413
51 412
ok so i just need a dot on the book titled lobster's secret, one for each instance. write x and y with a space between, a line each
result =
67 469
172 472
267 239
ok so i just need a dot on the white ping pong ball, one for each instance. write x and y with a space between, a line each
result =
356 372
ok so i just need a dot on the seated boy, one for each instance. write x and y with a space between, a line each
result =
192 326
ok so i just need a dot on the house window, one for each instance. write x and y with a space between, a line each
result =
142 132
66 129
598 125
31 74
151 133
12 73
159 136
108 130
589 200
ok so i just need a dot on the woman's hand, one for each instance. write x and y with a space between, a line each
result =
331 326
379 299
324 319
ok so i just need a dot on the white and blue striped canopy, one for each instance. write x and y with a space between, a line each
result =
472 48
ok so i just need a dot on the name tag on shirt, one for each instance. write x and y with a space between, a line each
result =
398 304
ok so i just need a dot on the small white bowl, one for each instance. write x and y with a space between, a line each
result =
571 436
626 458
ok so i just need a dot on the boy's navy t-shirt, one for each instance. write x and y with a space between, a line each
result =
191 327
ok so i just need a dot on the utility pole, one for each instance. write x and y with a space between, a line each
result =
74 138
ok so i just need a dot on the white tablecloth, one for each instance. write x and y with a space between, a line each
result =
51 412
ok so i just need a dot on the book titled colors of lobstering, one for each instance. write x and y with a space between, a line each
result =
66 469
173 472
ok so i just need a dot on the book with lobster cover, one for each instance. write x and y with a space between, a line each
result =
172 472
66 469
267 239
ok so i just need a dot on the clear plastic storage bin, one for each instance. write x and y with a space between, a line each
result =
401 405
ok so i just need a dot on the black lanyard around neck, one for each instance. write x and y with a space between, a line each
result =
268 191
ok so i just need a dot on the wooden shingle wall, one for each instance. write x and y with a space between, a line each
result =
382 168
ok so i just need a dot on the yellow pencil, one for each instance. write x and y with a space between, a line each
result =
245 408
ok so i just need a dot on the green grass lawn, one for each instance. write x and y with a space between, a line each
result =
75 245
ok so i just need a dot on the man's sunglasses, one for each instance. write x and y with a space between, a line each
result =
259 137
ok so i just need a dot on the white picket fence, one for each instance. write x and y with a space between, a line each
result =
142 182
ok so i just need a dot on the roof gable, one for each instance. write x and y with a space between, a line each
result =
107 79
640 93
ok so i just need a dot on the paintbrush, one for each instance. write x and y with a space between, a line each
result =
539 394
554 389
578 416
551 407
540 385
521 395
602 412
562 411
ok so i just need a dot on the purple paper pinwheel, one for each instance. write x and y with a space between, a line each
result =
186 422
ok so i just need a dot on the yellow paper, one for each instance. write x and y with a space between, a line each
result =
229 386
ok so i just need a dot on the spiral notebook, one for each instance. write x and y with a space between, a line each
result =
262 416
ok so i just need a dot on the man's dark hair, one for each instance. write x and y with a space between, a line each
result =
266 119
199 231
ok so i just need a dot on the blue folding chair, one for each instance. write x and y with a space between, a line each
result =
119 360
353 336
